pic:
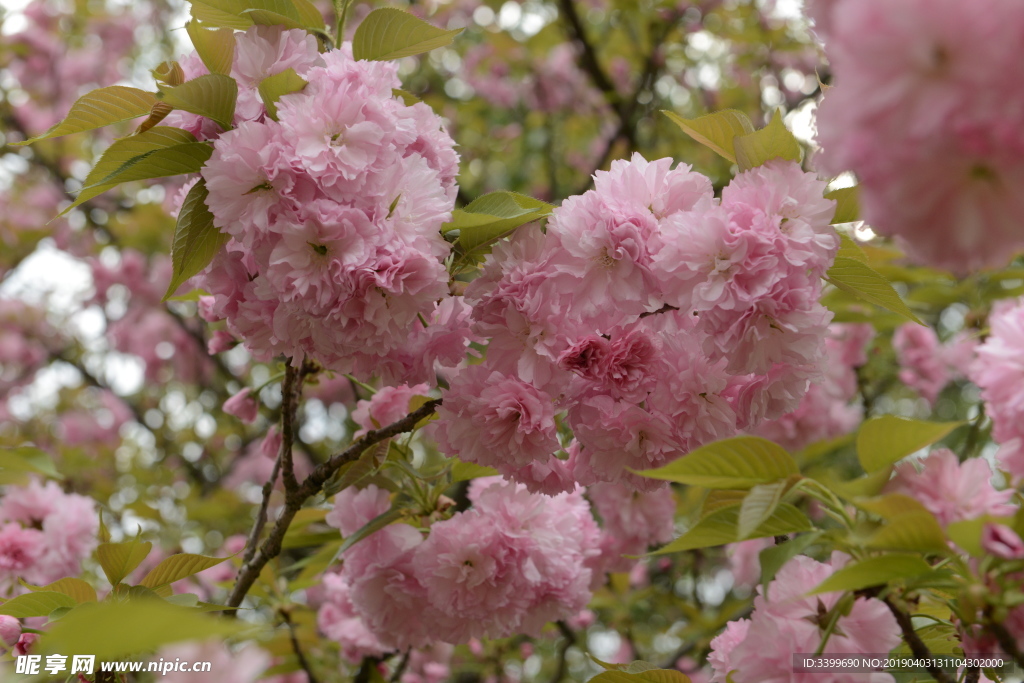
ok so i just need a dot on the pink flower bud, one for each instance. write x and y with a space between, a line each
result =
243 406
25 643
10 630
220 341
1001 541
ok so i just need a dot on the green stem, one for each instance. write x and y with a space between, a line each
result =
361 385
341 12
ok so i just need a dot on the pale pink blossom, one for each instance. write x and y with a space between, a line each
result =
388 405
951 490
10 630
922 366
999 371
239 665
339 621
243 405
1002 541
354 508
497 420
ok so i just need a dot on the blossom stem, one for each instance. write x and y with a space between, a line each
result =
914 642
294 500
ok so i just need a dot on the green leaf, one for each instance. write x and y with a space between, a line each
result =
771 142
847 207
867 485
242 14
16 464
490 218
272 88
908 525
114 630
210 95
642 676
177 567
196 239
464 471
180 159
36 604
716 130
634 667
774 557
100 108
717 499
738 463
862 281
884 440
262 17
874 571
967 533
850 249
720 527
120 559
758 506
126 150
76 589
216 47
407 97
389 33
376 524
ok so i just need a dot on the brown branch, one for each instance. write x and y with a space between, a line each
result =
914 642
294 500
1006 641
291 390
403 664
303 662
569 639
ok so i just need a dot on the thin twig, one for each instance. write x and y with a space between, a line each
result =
568 640
303 662
294 500
290 390
1006 641
403 663
914 642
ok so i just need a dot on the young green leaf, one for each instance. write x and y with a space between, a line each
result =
464 471
490 218
36 604
376 524
914 531
874 571
847 208
860 280
76 589
156 153
263 17
720 527
216 47
115 630
716 130
738 463
221 13
850 249
118 560
17 463
758 506
884 440
177 567
100 108
389 33
771 142
272 88
196 239
210 95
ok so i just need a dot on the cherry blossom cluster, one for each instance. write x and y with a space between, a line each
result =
26 341
511 563
926 111
334 213
928 365
44 533
654 317
827 410
786 620
999 371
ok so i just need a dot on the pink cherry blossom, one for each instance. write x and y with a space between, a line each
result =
243 405
951 490
497 420
1002 541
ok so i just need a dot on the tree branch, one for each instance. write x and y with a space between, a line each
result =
1006 641
569 639
294 500
914 642
303 662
